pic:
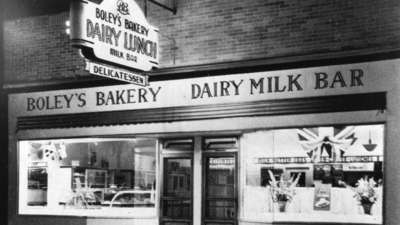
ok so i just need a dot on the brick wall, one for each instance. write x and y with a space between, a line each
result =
208 31
39 49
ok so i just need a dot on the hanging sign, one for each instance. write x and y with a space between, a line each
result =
114 31
116 73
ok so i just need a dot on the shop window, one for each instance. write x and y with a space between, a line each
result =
93 177
315 174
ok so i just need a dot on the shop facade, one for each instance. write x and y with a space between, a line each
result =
284 146
260 112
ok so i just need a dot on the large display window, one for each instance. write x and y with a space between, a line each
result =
314 174
93 177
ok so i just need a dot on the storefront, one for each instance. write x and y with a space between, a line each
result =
293 146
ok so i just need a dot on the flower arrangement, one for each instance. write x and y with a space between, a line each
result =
365 193
283 189
365 190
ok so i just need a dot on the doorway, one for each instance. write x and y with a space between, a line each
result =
219 204
176 194
199 181
176 198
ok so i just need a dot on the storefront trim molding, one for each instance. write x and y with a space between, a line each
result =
338 103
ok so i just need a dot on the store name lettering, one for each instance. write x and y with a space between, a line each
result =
102 98
278 84
354 78
56 102
318 80
127 96
221 88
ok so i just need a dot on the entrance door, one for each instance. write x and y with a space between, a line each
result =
219 188
177 196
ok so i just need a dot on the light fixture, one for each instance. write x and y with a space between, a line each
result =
369 147
67 25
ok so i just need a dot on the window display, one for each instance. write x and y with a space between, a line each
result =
314 174
37 185
88 176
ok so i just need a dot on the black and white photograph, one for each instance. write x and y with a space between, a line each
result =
200 112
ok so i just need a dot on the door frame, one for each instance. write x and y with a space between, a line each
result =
174 155
219 154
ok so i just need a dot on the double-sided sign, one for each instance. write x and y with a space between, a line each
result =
114 32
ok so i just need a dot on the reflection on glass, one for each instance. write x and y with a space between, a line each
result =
177 188
178 178
303 173
220 188
177 209
90 173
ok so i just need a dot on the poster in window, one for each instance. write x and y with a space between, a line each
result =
322 196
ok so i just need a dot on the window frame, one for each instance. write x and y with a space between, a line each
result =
131 213
243 154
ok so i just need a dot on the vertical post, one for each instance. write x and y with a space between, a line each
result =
391 201
197 181
159 179
145 8
133 175
3 121
174 7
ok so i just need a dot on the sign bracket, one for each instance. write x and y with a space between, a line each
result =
172 9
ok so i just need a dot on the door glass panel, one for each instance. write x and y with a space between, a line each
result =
178 209
178 178
220 209
177 196
220 188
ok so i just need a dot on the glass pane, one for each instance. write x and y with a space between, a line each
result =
84 174
220 177
177 209
177 196
132 199
178 178
220 209
315 174
220 188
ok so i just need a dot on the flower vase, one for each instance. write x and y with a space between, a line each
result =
282 206
367 207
